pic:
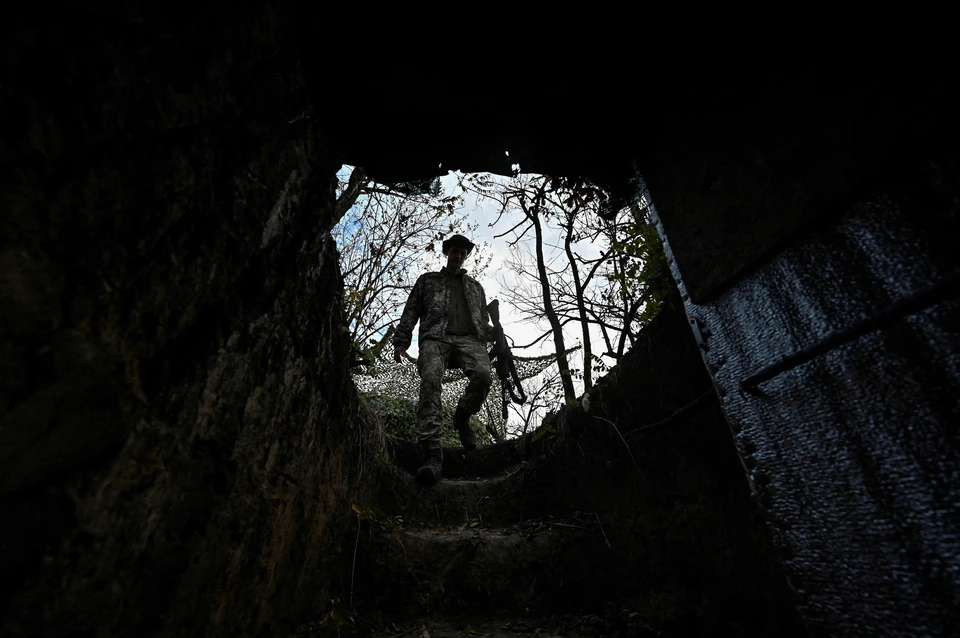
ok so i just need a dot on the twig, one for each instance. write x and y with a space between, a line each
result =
476 506
353 569
405 555
404 633
568 525
629 451
606 540
672 416
360 445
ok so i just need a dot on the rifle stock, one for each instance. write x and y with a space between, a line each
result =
502 359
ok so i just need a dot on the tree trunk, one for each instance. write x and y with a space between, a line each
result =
358 178
565 377
581 309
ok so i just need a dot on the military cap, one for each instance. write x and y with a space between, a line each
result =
457 240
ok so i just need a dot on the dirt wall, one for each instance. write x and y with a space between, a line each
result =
176 418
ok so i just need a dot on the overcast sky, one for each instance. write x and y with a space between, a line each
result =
483 213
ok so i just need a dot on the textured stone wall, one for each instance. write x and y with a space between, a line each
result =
854 454
177 424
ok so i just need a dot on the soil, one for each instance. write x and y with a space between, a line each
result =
626 515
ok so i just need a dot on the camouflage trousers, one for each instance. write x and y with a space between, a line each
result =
436 355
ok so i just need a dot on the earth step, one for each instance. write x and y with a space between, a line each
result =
508 498
486 460
614 622
539 565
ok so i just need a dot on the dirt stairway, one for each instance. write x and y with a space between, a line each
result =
627 514
485 552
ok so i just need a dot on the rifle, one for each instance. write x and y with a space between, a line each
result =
502 359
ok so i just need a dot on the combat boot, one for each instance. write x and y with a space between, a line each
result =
429 472
468 438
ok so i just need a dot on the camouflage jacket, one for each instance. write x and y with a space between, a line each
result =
428 304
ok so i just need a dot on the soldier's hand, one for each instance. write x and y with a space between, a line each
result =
398 352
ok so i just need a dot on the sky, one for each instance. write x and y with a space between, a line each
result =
483 212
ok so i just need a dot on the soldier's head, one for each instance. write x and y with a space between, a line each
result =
456 249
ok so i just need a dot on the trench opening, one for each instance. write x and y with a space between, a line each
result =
621 512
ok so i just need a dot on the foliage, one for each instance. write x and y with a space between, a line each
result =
546 394
429 187
392 390
526 198
644 275
338 619
386 239
569 266
607 275
399 418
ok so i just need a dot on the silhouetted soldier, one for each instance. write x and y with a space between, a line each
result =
454 330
